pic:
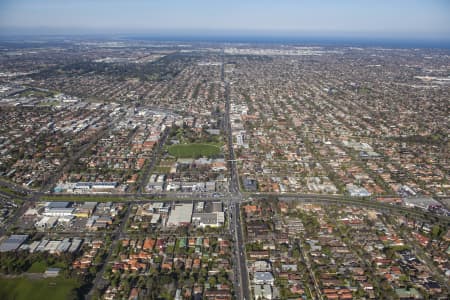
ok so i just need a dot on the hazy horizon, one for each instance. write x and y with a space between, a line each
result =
382 19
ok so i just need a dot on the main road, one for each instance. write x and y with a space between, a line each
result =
153 160
99 281
241 280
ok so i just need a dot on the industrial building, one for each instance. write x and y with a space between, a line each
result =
59 212
58 209
263 278
13 242
263 291
421 202
215 219
180 215
86 186
46 223
53 246
356 191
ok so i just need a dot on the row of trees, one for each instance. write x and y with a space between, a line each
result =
21 261
163 69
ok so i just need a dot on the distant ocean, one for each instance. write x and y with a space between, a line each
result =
240 39
318 41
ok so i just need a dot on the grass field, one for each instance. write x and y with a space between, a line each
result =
41 266
10 191
37 93
163 170
38 267
25 289
194 150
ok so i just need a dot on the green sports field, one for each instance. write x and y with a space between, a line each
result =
194 150
26 289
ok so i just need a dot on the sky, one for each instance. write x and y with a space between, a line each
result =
407 19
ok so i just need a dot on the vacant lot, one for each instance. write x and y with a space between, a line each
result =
48 289
194 150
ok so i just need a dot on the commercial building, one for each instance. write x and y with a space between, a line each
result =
214 219
261 266
421 202
263 278
63 246
52 246
250 184
217 206
356 191
57 204
76 243
58 212
180 215
46 223
13 242
263 291
58 209
95 185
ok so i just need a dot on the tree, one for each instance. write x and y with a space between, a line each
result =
95 295
212 281
436 231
